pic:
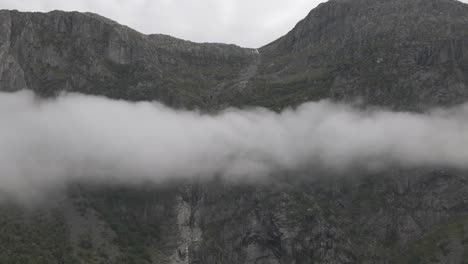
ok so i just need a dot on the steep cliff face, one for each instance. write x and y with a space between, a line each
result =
87 53
403 54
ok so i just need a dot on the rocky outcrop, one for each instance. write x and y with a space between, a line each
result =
11 74
403 54
83 52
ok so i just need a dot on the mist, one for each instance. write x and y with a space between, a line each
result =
48 143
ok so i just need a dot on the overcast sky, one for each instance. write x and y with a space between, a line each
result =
248 23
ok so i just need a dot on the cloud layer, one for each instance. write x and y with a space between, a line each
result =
49 143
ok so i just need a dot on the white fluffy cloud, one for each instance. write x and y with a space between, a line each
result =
48 143
249 23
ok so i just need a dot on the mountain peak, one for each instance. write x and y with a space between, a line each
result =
405 54
341 19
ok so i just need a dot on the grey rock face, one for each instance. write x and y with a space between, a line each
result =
402 54
11 74
90 54
405 54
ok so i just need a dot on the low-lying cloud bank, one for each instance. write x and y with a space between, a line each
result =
75 137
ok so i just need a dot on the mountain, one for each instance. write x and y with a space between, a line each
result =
401 54
393 53
91 54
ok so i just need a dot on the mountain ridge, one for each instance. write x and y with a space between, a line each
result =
359 40
335 52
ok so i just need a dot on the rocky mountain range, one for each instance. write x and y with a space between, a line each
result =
399 54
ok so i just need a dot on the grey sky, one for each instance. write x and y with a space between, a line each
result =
249 23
